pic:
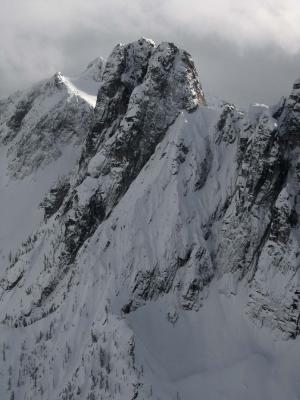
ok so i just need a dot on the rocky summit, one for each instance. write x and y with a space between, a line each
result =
150 237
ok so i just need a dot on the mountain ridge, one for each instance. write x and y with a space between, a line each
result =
175 220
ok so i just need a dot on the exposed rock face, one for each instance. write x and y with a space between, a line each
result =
54 199
259 238
142 92
276 304
172 202
290 116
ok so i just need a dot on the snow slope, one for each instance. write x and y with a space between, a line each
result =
166 263
214 353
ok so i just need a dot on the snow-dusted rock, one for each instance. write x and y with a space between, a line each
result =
42 130
167 262
37 124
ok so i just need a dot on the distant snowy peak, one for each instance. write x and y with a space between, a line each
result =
94 70
36 124
290 116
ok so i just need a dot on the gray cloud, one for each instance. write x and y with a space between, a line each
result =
245 51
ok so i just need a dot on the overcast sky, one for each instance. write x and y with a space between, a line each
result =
246 51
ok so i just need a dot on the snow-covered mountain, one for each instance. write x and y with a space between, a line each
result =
41 134
150 239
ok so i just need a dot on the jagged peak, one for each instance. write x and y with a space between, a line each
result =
141 60
148 40
289 116
57 81
128 63
177 65
295 94
137 43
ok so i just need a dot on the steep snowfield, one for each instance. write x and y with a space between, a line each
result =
165 265
214 353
